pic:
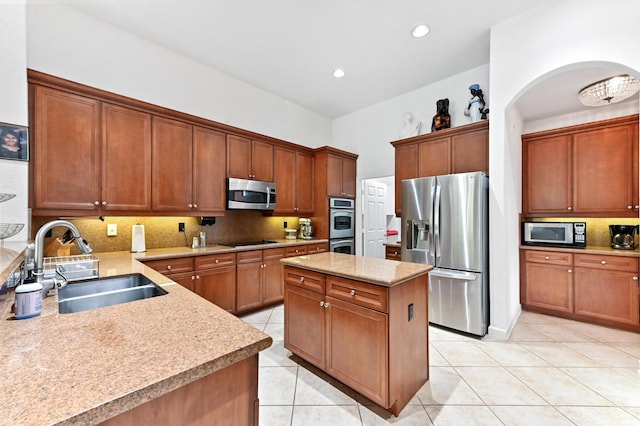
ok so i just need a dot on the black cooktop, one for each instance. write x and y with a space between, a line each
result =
250 243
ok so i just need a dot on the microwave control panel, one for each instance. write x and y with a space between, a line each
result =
580 232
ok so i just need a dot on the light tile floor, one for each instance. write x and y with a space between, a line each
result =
550 372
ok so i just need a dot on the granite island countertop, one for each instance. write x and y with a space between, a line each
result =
372 270
86 367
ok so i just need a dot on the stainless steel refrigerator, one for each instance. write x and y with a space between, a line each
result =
445 224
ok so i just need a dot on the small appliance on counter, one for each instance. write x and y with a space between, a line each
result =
555 234
290 234
623 237
306 230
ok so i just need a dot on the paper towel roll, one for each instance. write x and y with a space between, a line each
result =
137 239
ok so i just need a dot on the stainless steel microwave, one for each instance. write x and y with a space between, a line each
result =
560 234
245 194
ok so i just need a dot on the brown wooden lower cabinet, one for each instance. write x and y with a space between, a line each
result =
372 338
596 288
392 253
226 397
259 279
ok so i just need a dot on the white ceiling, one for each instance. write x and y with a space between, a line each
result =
290 47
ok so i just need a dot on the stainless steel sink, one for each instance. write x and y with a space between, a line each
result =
98 293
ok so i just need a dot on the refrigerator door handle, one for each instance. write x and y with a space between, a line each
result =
436 223
456 275
409 234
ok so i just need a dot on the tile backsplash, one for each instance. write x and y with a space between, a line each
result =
241 225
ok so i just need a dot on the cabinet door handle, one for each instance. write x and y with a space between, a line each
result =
197 277
353 292
321 304
217 261
96 203
190 206
193 277
569 270
301 279
569 208
603 262
195 206
326 305
629 207
168 267
635 278
104 203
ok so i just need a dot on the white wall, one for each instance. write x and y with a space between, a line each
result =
369 131
14 110
523 50
66 43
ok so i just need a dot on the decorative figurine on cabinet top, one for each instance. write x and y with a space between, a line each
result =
476 108
411 127
442 119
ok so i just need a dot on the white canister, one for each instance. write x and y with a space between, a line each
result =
28 300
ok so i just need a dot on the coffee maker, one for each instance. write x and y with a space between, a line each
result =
623 237
306 230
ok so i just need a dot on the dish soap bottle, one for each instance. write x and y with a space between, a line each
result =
28 299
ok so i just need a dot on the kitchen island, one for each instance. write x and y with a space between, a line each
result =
138 359
363 321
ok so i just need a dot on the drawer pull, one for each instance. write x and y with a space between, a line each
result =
169 267
353 292
217 261
301 279
570 270
547 258
603 262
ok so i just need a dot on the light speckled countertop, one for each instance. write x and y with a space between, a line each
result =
376 271
606 250
86 367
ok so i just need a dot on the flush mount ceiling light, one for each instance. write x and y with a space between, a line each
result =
420 31
609 91
338 73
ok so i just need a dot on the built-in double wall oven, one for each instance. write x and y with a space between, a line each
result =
342 225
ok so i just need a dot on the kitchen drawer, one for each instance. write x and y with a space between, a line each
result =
618 263
310 280
550 257
317 248
171 266
215 261
392 253
272 254
295 251
249 256
363 294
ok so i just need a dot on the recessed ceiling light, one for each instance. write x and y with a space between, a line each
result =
420 31
338 73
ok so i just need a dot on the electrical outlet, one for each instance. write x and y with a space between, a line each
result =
285 224
180 226
112 230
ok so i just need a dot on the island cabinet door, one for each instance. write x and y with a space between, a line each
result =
305 324
357 349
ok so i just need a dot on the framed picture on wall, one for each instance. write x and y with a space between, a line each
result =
14 142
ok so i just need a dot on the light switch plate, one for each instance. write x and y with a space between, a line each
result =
112 230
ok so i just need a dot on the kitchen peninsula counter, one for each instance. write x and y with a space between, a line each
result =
87 367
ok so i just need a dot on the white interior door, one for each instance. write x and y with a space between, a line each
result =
374 221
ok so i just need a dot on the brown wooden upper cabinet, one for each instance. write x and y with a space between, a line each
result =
88 156
188 168
456 150
294 178
249 159
341 176
589 169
